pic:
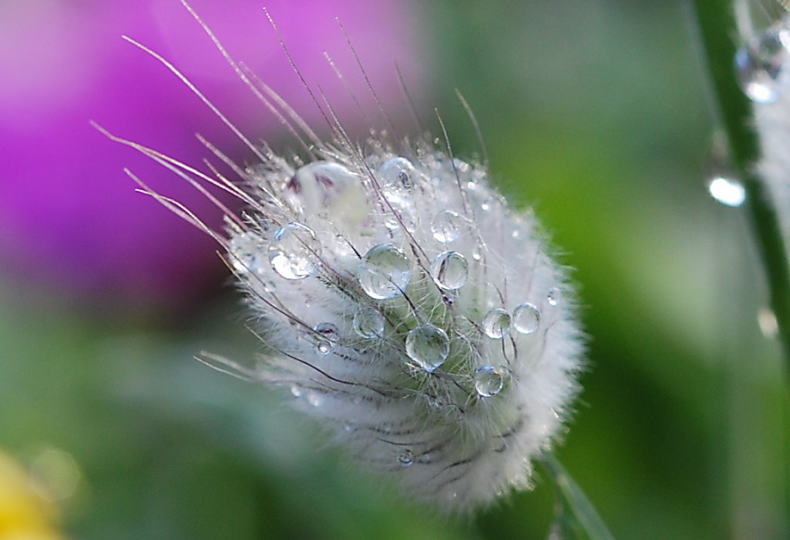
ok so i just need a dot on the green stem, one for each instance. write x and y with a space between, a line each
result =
582 511
717 25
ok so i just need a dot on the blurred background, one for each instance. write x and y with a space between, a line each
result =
594 111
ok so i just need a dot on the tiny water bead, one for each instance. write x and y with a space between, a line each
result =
526 318
368 322
244 250
328 335
553 296
397 173
385 272
292 252
496 323
727 191
447 226
489 381
406 457
761 64
450 270
428 346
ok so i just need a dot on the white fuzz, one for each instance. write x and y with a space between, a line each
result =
401 302
406 306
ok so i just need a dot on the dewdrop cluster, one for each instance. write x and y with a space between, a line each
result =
410 310
763 65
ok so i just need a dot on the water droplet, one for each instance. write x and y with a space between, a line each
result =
405 211
292 251
727 191
428 346
496 323
553 296
296 391
314 399
385 272
425 458
450 270
461 166
327 336
761 63
244 250
368 322
447 226
406 458
526 318
397 173
477 252
489 381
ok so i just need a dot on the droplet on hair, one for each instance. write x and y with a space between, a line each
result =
368 322
385 272
428 346
761 64
496 323
292 252
526 318
450 270
447 226
489 381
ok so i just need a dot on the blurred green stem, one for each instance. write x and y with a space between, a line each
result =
585 517
717 29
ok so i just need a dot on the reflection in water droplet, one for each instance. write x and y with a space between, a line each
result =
450 270
406 458
496 323
553 296
385 272
489 381
761 64
292 252
327 335
727 191
396 173
428 346
447 226
296 391
526 318
368 322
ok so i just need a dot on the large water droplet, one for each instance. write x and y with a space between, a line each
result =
496 323
450 270
489 381
727 191
292 252
526 318
368 322
327 335
406 457
396 174
244 250
428 346
761 64
385 272
447 226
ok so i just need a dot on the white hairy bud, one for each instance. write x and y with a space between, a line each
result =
410 309
400 301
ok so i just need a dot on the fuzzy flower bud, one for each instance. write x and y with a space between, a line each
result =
416 315
403 304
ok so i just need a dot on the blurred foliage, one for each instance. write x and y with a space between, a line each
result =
594 111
